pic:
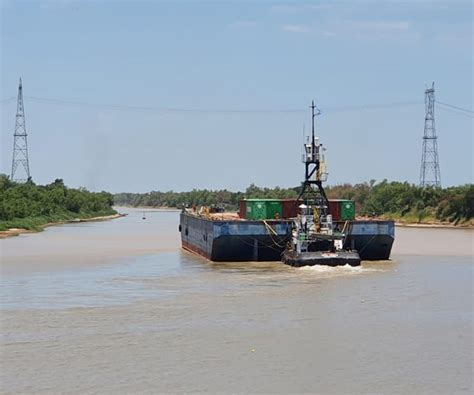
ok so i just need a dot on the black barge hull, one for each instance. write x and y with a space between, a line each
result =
246 240
372 239
234 241
312 258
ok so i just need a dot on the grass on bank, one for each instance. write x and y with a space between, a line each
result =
425 218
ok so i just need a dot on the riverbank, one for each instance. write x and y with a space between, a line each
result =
150 208
434 225
427 223
10 232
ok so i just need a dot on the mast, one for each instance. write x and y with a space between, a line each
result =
312 160
313 115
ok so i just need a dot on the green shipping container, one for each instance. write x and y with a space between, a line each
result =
347 210
259 209
274 209
256 209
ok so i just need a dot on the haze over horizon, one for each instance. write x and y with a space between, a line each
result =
140 96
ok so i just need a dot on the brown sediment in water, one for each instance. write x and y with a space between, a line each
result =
19 231
433 241
173 323
254 330
86 244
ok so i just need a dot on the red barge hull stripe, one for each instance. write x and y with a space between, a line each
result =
196 250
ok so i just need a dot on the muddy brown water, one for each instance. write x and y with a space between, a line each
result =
118 307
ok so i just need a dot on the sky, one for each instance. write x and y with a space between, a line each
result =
156 95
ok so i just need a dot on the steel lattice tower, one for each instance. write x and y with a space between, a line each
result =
20 164
430 174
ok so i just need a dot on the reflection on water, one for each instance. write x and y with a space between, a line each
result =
118 307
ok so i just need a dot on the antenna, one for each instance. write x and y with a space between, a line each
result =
304 139
313 115
430 174
20 163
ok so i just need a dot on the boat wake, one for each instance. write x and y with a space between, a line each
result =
338 270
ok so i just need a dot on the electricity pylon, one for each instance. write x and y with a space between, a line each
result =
430 175
20 163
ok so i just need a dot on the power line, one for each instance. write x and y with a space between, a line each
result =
171 110
455 107
372 106
157 109
122 107
457 112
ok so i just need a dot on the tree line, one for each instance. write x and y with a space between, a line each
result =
412 203
397 200
29 206
201 197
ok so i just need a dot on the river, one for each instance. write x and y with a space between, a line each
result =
118 307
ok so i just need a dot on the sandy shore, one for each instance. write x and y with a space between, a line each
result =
18 231
443 225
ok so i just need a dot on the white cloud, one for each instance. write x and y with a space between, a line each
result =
296 28
381 30
285 8
382 25
328 33
297 8
243 24
360 29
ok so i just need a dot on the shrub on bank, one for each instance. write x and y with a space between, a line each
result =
30 206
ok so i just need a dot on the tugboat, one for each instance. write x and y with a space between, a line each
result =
314 239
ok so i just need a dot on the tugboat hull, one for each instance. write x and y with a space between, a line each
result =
312 258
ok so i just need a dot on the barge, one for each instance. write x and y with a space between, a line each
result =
309 230
222 239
